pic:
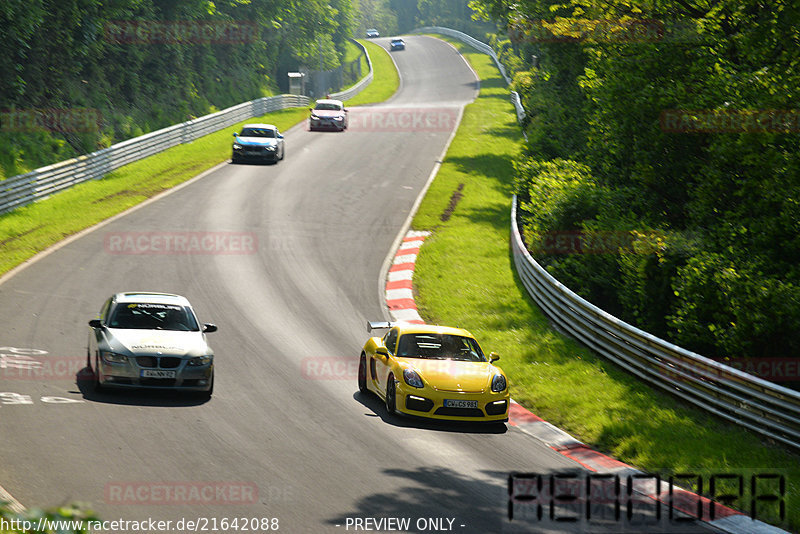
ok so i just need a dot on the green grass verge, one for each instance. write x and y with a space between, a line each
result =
385 80
554 376
32 228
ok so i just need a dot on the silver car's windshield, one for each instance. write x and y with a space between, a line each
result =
328 107
151 316
439 347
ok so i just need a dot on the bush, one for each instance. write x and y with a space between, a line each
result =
725 309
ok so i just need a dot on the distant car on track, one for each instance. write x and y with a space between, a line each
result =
431 371
397 44
372 33
258 142
151 340
328 114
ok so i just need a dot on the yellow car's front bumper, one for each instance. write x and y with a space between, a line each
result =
462 406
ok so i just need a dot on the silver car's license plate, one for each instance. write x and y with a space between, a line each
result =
157 373
452 403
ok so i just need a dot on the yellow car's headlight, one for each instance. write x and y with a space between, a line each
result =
412 378
499 383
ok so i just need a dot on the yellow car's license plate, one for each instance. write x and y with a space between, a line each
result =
452 403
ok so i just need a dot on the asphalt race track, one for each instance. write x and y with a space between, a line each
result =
290 274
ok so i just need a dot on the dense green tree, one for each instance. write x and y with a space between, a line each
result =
685 115
110 57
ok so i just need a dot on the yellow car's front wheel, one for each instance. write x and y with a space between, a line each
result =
391 396
362 373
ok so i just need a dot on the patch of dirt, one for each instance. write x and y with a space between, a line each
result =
451 207
123 193
23 234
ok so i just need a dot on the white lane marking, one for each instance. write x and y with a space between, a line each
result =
7 397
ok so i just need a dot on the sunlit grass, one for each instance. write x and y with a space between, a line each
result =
385 81
465 277
32 228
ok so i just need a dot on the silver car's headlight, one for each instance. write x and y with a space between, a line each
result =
197 361
113 357
412 378
271 147
316 118
498 383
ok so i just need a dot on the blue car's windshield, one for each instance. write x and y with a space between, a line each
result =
258 132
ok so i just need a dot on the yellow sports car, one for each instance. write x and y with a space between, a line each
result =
433 371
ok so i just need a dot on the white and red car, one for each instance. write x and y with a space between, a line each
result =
328 114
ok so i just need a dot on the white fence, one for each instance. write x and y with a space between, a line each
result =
727 393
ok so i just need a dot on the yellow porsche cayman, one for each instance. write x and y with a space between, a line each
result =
433 371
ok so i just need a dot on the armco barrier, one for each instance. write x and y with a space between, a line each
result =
481 47
365 81
41 183
38 184
733 395
748 401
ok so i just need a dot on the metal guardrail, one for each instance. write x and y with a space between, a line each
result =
733 395
365 81
481 47
744 399
38 184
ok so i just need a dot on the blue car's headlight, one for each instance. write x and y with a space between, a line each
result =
412 378
498 383
237 146
271 148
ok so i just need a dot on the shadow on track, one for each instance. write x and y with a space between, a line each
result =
134 397
379 410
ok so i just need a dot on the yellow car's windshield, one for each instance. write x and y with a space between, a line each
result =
439 347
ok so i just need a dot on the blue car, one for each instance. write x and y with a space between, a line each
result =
259 142
397 44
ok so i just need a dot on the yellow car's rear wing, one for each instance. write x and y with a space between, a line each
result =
378 325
